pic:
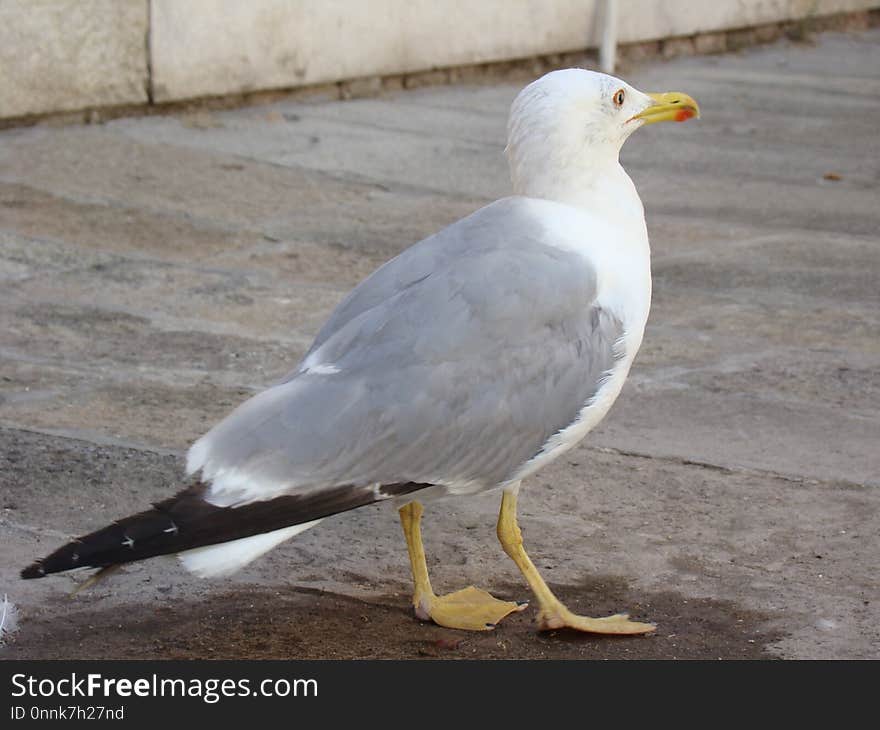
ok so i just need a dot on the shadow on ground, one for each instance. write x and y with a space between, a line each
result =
307 624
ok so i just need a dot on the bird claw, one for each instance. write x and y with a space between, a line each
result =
619 624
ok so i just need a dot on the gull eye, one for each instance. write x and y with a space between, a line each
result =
619 96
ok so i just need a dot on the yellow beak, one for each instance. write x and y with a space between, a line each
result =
670 106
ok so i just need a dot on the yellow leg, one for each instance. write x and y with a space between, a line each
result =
96 577
553 614
471 609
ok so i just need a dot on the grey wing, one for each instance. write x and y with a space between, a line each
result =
476 232
457 378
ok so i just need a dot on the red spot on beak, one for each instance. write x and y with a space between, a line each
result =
682 115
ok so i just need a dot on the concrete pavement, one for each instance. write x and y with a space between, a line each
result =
156 271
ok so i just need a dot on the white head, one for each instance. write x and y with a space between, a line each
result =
568 127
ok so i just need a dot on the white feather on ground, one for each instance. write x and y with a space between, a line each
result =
8 620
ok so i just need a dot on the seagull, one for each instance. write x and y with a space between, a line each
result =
464 365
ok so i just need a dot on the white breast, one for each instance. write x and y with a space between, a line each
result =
621 256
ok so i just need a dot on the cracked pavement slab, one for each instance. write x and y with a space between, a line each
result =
153 274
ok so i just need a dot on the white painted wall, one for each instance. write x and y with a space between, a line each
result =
217 46
58 55
652 19
212 47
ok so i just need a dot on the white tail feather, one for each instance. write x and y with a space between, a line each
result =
214 561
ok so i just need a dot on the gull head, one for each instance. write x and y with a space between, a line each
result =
571 122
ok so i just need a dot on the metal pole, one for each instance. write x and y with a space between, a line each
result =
608 49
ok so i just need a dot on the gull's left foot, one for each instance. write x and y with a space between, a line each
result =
561 618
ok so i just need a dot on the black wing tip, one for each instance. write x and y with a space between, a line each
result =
187 521
34 570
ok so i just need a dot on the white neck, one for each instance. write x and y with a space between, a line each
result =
615 223
599 185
